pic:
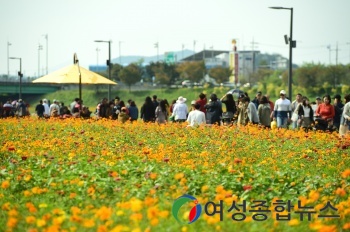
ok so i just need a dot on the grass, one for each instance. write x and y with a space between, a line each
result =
91 97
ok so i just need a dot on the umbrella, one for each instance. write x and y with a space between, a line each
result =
74 74
70 75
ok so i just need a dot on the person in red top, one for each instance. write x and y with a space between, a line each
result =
326 109
202 101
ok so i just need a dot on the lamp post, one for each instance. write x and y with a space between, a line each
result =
20 75
47 52
40 47
194 49
97 51
108 63
156 45
8 62
292 44
76 62
182 55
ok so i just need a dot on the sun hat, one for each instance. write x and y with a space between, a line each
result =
181 100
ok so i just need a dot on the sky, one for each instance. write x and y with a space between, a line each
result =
134 26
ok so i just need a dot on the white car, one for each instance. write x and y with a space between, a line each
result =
228 84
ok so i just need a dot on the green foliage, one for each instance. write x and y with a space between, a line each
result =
220 74
193 71
116 68
130 74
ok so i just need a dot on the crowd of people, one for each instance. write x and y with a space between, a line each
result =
283 113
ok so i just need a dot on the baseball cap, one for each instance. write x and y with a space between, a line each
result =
318 98
283 92
193 102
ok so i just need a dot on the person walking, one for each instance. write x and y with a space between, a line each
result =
282 110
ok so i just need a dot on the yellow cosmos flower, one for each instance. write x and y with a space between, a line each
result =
88 223
30 219
293 222
40 223
136 205
179 176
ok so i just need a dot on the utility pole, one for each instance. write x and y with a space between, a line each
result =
8 62
194 49
182 55
156 45
47 52
253 48
203 52
336 55
40 47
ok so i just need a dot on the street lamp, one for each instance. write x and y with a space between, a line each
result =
47 52
194 49
8 63
156 45
40 47
292 44
97 50
109 64
19 74
76 62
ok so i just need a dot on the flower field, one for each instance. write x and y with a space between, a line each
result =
100 175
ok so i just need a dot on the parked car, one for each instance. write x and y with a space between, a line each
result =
228 84
188 83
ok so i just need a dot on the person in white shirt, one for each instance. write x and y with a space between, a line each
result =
180 110
54 108
282 110
47 108
196 117
252 112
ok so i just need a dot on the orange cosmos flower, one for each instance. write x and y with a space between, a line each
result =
5 184
346 173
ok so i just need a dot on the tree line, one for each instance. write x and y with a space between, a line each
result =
316 79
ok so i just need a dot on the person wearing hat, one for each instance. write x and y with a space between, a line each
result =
123 116
338 108
282 110
180 110
54 109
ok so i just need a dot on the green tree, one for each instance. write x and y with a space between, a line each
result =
220 74
130 75
116 68
193 70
